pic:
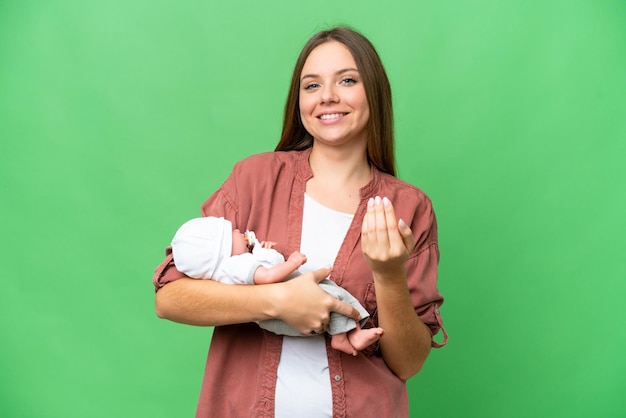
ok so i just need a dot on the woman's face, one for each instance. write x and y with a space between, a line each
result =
333 104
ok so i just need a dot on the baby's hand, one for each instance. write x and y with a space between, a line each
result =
268 244
298 258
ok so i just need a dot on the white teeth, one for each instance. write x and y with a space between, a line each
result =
332 116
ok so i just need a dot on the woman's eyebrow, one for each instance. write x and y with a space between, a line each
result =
344 70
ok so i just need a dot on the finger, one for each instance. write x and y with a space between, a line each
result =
321 274
395 235
382 233
407 235
319 330
390 213
344 309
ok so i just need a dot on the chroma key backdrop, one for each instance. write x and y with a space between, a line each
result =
119 118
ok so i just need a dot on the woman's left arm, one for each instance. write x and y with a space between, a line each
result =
386 244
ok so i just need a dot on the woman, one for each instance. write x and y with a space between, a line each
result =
320 193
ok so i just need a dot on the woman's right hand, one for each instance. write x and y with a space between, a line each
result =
302 303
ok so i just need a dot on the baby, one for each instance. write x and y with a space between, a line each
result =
209 248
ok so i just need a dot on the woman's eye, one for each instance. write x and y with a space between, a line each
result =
311 86
348 81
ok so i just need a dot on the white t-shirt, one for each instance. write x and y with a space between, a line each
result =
303 383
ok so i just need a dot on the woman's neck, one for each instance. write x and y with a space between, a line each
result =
338 176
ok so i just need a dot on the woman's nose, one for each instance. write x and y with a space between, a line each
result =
329 94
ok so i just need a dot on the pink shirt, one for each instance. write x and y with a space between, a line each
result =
265 193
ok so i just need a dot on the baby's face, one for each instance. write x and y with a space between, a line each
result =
240 245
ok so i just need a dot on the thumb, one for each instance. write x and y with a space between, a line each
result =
407 235
321 274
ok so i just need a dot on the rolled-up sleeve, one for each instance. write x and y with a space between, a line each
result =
220 203
422 271
166 271
424 293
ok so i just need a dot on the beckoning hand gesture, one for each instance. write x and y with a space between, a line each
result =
386 243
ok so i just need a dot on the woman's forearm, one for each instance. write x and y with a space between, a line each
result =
407 341
386 244
209 303
299 302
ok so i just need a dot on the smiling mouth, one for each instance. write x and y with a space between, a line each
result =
330 116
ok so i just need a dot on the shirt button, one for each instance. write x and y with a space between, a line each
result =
337 378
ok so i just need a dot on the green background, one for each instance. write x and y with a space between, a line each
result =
118 118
